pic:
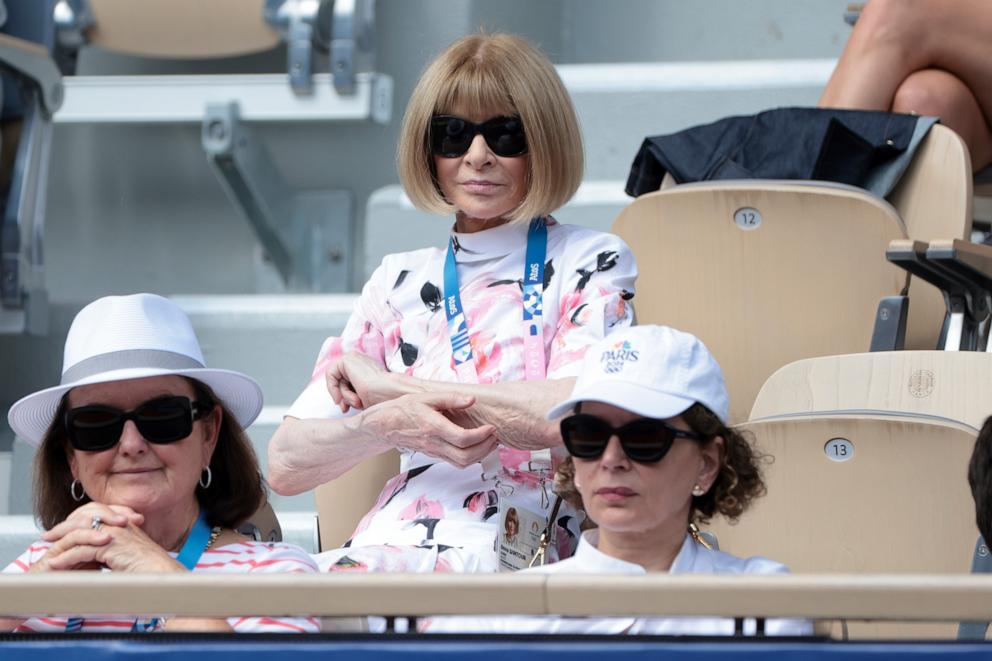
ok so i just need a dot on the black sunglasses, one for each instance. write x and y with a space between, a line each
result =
161 420
646 440
451 136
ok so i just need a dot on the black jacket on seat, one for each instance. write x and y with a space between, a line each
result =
869 149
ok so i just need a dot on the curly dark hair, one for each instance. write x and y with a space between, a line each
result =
565 487
738 483
980 479
236 492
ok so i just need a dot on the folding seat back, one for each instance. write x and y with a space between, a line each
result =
869 468
934 200
263 525
181 28
954 385
764 272
341 504
934 195
982 187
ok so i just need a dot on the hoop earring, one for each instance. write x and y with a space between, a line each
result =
72 491
209 478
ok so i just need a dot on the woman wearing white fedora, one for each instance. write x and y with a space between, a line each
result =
651 456
143 464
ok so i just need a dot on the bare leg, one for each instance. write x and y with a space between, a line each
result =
938 93
893 39
877 58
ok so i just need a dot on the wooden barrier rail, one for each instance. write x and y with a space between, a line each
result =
876 597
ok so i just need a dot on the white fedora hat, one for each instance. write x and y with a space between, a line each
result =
132 337
654 371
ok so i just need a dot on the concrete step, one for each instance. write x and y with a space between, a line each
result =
16 534
620 104
272 338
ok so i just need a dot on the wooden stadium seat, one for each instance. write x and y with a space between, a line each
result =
342 503
869 468
954 385
982 187
804 282
934 195
263 525
181 28
934 200
901 504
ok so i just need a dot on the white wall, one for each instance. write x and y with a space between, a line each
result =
681 30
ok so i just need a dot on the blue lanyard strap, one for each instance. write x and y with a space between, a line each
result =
457 325
533 295
189 555
196 543
537 247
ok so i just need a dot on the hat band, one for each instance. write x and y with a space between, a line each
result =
128 359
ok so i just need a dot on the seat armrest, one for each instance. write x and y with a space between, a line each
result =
912 256
964 277
970 261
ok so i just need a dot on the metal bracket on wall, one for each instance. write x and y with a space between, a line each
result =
305 234
72 19
344 29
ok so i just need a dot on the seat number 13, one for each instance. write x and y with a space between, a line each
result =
839 449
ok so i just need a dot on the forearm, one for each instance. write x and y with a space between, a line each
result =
304 454
516 409
9 624
197 625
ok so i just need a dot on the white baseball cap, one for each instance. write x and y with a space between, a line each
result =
654 371
131 337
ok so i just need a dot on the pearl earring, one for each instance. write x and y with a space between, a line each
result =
698 490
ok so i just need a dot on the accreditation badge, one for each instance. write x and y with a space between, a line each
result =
519 538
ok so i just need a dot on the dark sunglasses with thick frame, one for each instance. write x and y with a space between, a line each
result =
451 136
161 420
646 440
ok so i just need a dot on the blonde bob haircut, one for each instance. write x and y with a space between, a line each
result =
486 75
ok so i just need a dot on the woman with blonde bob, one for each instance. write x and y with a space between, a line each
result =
651 457
497 73
453 354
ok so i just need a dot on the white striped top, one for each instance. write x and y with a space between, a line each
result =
240 558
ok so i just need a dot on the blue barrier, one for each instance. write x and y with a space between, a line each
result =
302 648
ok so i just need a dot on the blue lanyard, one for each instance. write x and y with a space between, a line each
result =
196 543
533 295
189 555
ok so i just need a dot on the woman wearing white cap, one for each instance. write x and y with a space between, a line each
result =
652 456
144 465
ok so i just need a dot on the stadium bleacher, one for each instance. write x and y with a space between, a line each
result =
134 205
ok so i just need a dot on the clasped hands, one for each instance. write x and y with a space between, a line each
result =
97 535
401 412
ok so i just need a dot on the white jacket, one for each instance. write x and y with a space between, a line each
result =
692 558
